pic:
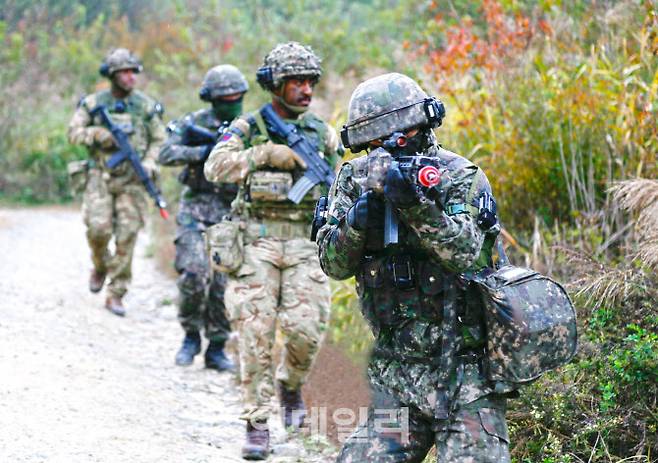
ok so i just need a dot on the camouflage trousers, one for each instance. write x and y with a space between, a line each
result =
394 433
113 211
201 292
280 281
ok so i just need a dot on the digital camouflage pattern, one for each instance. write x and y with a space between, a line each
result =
477 433
531 325
382 105
113 201
223 80
292 59
280 281
121 58
202 204
429 338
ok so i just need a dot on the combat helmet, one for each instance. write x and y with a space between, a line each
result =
386 104
222 80
118 59
288 60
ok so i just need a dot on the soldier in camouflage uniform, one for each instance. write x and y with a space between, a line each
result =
280 280
426 372
114 200
202 204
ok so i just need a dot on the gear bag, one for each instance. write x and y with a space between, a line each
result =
530 323
225 244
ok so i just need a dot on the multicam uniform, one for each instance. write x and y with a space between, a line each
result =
114 201
202 204
280 278
426 367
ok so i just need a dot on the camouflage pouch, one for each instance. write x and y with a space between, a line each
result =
530 323
78 173
225 244
269 186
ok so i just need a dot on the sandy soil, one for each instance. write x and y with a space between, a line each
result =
78 384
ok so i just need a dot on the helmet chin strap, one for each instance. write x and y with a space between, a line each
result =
292 108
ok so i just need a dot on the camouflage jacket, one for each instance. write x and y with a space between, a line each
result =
141 120
230 161
202 203
412 339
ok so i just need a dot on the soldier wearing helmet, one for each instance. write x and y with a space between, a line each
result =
202 204
280 279
113 200
426 375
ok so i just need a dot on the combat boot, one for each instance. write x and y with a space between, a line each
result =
191 346
96 280
257 446
114 305
294 410
216 359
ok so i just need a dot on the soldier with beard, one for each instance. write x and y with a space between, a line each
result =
114 202
280 280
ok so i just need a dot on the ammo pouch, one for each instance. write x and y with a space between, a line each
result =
268 186
400 287
225 244
530 323
78 174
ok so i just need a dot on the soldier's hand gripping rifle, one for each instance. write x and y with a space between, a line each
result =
127 153
422 172
317 169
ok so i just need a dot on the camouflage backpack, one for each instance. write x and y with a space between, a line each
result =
530 322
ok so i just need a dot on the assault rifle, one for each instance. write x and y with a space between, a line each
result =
423 173
195 135
317 169
127 153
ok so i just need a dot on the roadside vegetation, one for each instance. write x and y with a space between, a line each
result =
556 100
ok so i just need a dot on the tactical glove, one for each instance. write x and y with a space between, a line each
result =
367 212
398 190
103 137
276 155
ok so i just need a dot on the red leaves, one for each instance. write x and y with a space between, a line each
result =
466 46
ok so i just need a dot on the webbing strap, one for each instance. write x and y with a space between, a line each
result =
260 123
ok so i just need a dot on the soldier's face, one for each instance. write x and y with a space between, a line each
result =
125 79
298 91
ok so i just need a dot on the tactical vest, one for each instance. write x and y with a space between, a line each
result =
418 310
131 114
264 194
192 174
404 283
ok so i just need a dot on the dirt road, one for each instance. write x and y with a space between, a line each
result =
78 384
